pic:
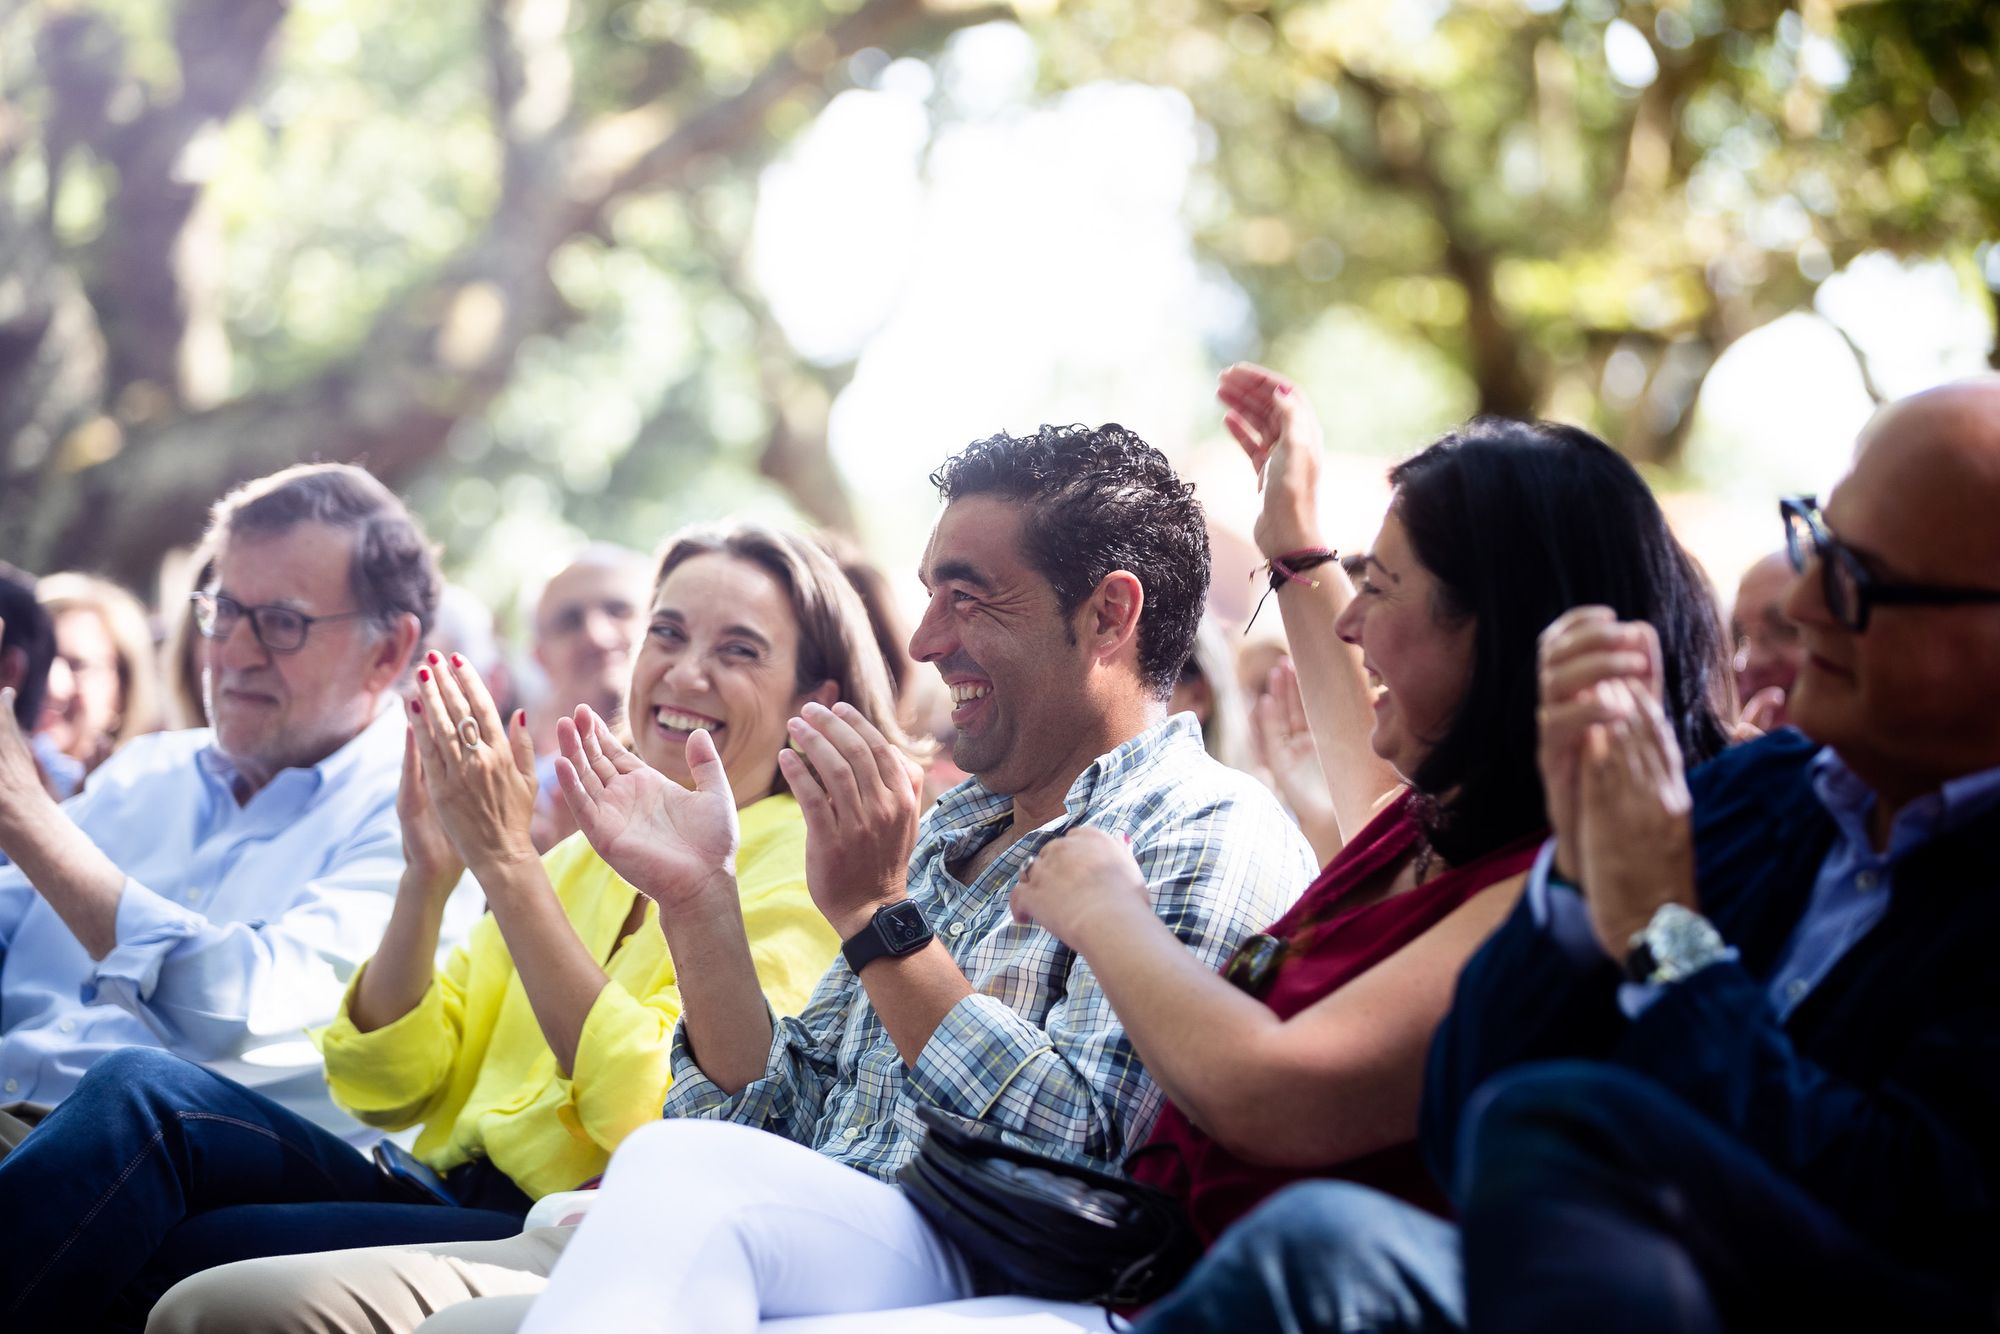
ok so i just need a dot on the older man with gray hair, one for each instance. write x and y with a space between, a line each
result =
216 888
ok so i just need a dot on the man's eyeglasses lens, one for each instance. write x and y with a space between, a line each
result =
277 629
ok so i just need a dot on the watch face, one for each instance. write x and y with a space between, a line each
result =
903 926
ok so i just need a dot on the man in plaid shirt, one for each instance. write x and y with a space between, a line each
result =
1066 576
1066 579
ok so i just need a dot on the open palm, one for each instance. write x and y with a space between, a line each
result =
666 841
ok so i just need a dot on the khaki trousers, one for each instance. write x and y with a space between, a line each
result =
372 1290
16 1120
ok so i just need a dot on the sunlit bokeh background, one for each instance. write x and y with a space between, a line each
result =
588 268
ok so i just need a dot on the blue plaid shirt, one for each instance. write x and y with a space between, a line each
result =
1035 1050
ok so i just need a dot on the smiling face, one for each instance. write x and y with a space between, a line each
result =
996 634
720 652
85 698
1908 702
274 711
1419 661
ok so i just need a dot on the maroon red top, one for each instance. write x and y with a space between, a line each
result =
1326 946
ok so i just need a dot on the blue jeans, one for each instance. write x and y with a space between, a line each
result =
1322 1256
154 1169
1594 1198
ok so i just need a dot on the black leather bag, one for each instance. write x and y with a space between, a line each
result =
1028 1223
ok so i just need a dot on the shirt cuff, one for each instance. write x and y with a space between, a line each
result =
1559 910
388 1074
982 1046
693 1093
148 928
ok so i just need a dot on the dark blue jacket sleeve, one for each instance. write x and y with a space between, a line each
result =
1519 999
1909 1156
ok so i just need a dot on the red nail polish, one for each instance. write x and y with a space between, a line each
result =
457 661
416 706
520 717
433 657
423 673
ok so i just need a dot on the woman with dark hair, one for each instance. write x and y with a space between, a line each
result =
529 1055
1304 1057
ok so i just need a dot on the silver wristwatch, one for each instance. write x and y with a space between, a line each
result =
1677 943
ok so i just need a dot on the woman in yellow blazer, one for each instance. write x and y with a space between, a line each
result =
545 1040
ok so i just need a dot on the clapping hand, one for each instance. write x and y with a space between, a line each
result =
430 858
1581 651
1634 839
1280 435
668 842
1079 884
1286 748
860 798
479 773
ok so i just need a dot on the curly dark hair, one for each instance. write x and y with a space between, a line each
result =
1097 501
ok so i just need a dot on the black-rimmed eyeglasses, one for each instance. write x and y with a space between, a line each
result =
1850 590
279 629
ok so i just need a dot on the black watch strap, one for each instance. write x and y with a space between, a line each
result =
892 932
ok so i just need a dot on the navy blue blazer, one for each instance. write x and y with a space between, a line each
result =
1880 1095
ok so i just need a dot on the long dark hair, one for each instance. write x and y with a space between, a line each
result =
1519 522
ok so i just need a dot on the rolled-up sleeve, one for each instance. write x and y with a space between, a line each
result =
624 1064
208 989
398 1074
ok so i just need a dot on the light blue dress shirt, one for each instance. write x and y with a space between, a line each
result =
1849 895
239 922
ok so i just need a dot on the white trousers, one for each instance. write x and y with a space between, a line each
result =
707 1227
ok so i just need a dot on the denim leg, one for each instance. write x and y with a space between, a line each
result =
1596 1199
146 1140
1319 1257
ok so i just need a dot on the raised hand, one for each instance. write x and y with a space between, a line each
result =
1762 712
21 788
859 795
1284 743
479 773
429 856
669 843
1580 652
1080 885
1280 435
1634 840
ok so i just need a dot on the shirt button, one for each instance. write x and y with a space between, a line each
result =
68 1025
1866 880
1795 988
957 929
13 1086
850 1134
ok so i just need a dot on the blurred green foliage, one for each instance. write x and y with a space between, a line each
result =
1513 205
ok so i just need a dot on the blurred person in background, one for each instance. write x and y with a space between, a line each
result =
587 623
183 571
27 650
104 685
1207 688
1769 646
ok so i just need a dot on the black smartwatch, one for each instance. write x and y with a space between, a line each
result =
892 932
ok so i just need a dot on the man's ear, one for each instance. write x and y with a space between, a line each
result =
826 694
394 652
1109 617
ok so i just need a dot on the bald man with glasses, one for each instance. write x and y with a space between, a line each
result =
213 891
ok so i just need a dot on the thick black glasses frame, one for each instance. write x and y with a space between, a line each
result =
271 624
1851 591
